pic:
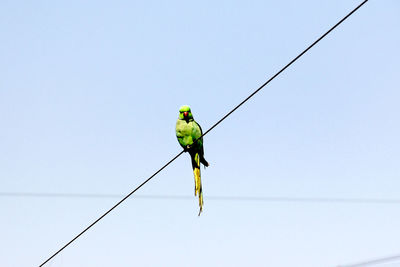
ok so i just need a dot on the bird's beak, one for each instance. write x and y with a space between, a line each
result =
185 114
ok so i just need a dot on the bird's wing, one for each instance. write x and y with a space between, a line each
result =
199 127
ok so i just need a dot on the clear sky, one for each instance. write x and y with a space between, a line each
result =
89 97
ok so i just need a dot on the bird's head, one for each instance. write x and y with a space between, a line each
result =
185 113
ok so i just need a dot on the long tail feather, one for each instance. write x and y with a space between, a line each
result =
198 191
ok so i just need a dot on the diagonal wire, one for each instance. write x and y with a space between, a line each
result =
107 212
218 122
394 258
285 67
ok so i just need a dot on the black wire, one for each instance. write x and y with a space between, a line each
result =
217 198
285 67
102 216
218 122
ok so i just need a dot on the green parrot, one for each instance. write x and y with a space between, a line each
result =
188 130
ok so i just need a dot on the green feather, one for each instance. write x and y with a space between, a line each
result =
187 131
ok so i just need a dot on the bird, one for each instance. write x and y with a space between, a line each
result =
188 132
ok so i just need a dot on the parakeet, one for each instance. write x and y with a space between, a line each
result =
187 131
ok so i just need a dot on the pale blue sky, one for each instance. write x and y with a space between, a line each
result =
89 96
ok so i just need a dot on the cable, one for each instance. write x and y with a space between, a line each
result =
218 122
285 67
217 198
394 258
107 212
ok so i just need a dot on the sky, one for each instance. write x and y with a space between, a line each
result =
89 97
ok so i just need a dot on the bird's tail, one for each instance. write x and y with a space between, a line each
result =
198 191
